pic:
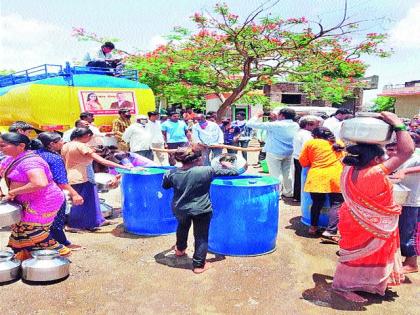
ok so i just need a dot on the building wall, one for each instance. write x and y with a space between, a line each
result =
407 106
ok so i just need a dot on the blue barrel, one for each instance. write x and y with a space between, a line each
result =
146 206
245 215
306 203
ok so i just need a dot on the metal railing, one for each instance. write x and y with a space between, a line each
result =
31 74
50 70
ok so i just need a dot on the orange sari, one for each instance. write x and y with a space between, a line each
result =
368 224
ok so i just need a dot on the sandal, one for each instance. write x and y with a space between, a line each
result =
313 230
334 239
179 253
108 222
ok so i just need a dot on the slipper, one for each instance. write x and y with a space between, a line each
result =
73 230
95 229
179 253
330 239
199 270
74 247
313 230
409 270
108 222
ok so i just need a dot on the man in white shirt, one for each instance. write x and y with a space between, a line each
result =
102 58
157 138
279 145
208 133
80 123
306 124
335 122
139 138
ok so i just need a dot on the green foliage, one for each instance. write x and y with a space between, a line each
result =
384 103
227 55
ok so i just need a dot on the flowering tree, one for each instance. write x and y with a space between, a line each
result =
230 56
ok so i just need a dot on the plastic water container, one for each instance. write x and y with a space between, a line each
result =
245 215
306 203
146 206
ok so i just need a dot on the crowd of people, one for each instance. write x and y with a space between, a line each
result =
364 219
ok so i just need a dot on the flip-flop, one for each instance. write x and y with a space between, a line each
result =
330 239
74 230
108 222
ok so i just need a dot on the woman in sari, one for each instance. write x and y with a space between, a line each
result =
368 219
31 184
78 158
52 144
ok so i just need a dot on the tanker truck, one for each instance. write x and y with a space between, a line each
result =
51 97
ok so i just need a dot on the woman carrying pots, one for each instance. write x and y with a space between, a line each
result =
368 224
52 144
31 184
78 158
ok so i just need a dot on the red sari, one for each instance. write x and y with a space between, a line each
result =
368 224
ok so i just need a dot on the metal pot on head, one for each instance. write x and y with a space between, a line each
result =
366 128
10 213
9 267
46 265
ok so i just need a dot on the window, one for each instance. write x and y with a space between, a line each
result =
291 98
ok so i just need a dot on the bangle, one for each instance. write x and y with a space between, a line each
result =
400 128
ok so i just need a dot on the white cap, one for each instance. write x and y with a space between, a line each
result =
138 117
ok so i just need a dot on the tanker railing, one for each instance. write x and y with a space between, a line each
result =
51 70
31 74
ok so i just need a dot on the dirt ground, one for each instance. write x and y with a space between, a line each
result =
122 273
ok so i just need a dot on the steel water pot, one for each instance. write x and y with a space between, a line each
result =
401 193
9 267
106 209
46 265
102 181
366 128
10 213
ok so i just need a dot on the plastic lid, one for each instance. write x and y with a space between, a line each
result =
245 181
145 171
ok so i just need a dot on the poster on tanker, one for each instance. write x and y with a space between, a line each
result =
107 102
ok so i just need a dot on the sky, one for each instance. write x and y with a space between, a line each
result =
38 32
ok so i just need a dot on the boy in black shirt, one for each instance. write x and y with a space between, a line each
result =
191 201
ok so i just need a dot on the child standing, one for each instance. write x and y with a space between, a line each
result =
191 201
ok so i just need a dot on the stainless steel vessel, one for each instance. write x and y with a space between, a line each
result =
400 193
237 160
10 213
102 181
46 265
366 128
9 267
107 210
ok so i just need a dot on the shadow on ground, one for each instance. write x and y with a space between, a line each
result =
322 295
299 228
120 231
168 258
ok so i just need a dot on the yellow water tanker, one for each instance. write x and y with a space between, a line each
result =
54 102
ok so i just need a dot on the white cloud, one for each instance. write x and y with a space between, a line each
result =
407 31
156 41
27 43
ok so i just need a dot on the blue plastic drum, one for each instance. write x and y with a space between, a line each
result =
306 203
146 206
245 215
